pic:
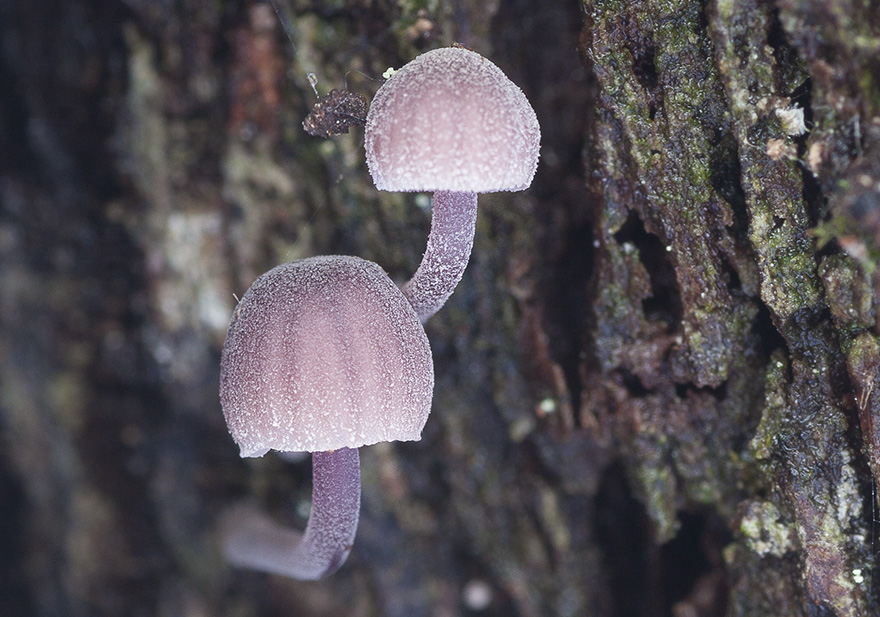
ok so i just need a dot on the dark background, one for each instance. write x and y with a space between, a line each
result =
655 389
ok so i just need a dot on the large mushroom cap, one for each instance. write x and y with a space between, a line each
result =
321 354
450 120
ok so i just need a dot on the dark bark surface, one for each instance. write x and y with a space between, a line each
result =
657 385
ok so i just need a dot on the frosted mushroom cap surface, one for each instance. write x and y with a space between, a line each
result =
321 354
450 120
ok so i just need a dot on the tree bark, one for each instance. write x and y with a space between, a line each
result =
656 386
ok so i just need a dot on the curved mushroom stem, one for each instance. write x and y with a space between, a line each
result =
453 223
253 540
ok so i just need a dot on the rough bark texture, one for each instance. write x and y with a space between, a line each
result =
657 385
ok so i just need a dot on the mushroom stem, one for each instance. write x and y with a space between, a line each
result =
453 222
253 540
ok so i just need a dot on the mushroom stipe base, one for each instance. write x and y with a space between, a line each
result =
253 540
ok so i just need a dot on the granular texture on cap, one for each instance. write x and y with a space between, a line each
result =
321 354
450 120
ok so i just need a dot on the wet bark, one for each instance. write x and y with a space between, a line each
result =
656 385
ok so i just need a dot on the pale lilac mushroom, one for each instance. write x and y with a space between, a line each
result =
450 122
322 355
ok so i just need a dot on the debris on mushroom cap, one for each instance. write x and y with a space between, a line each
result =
450 120
321 354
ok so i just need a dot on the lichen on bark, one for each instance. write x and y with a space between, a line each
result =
694 141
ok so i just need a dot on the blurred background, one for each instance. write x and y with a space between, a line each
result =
624 387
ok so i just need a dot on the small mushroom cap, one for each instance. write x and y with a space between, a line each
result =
321 354
450 120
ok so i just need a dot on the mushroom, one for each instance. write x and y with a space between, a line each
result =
450 122
323 355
